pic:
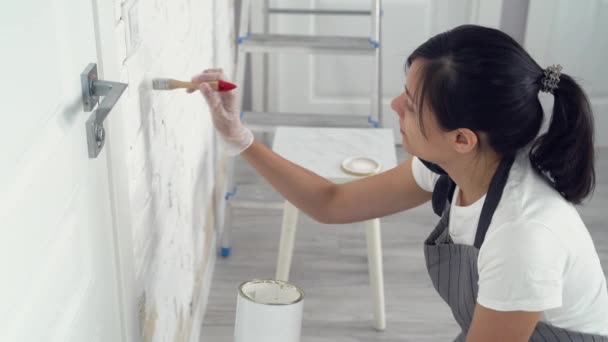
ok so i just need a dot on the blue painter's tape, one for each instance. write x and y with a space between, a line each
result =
242 114
225 251
240 40
231 193
382 12
374 123
374 43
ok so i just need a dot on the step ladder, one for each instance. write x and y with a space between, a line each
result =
250 43
265 122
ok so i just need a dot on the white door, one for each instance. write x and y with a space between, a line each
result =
342 84
573 34
57 249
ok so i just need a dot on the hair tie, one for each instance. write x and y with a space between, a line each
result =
549 82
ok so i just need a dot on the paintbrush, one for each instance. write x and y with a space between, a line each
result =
170 84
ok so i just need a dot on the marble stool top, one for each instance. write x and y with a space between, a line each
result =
322 150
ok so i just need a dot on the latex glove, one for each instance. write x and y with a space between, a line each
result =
225 113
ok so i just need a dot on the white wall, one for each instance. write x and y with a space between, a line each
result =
514 17
573 34
172 163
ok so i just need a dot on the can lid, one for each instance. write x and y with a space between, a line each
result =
271 292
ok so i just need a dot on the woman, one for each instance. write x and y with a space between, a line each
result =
510 254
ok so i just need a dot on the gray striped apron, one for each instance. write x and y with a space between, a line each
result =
453 267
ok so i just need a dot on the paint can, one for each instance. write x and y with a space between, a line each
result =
269 311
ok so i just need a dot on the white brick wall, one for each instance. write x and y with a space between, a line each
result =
172 158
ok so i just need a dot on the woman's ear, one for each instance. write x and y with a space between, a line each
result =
464 140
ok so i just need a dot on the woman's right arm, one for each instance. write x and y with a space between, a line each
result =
387 193
376 196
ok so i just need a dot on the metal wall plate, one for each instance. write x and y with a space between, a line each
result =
87 77
96 136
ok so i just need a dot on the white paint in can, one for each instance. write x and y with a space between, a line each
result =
268 310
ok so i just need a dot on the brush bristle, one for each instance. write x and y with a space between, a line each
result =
160 84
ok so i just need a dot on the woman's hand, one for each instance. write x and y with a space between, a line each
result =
225 113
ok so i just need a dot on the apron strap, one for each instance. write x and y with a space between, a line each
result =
491 203
442 194
433 167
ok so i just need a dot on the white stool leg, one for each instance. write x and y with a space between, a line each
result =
376 276
288 234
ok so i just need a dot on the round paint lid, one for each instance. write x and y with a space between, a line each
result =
361 166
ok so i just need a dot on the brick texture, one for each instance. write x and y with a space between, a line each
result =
173 159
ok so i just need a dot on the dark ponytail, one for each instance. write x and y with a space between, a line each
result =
564 155
480 78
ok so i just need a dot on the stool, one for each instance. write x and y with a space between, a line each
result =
322 150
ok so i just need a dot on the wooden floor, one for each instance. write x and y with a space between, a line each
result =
330 264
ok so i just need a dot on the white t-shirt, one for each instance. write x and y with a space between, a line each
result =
537 254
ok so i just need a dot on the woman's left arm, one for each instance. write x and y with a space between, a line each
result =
521 266
496 326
